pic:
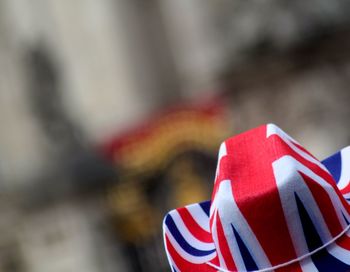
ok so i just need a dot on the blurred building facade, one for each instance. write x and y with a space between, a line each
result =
71 73
74 73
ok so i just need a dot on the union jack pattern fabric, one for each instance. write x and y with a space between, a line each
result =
339 166
274 207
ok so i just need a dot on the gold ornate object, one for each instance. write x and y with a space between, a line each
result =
154 176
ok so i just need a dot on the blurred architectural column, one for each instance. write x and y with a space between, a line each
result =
194 42
112 77
152 63
114 67
22 145
113 54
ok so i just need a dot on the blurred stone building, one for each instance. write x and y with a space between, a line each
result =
71 73
74 72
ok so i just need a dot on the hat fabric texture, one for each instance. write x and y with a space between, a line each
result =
274 207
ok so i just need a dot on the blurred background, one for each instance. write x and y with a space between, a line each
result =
112 112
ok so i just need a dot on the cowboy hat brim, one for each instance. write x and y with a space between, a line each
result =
189 245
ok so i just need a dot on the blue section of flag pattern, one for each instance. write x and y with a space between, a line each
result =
334 165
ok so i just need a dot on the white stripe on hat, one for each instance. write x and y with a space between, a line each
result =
345 170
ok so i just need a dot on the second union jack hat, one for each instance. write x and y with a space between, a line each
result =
274 207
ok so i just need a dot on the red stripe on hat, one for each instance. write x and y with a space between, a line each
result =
327 209
184 265
312 166
303 149
270 229
224 248
215 261
192 225
344 242
346 190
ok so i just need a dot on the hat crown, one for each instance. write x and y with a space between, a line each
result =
270 195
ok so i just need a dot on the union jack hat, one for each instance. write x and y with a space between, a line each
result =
274 207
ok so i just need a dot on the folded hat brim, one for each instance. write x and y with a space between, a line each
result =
189 245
